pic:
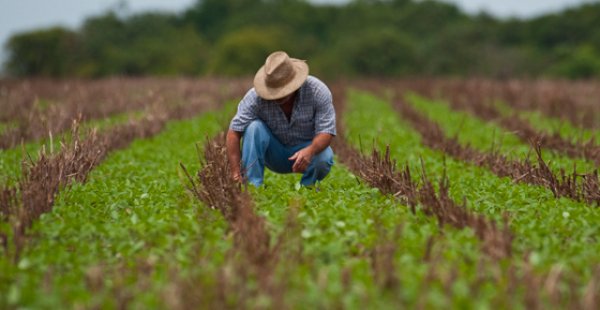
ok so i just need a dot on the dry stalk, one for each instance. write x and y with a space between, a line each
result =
252 257
575 186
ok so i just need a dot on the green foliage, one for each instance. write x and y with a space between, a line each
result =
377 52
48 52
557 231
369 37
142 44
582 62
243 52
487 135
133 213
340 223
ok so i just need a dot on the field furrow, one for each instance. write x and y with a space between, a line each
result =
11 158
132 213
357 247
510 125
552 230
487 135
555 125
33 108
580 186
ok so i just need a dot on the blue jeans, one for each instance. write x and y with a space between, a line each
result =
261 148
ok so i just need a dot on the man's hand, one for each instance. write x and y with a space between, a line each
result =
233 154
302 159
237 177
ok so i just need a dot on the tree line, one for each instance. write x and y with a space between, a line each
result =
380 38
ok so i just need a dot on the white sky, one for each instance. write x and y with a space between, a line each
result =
23 15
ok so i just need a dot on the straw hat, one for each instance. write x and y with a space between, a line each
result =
280 76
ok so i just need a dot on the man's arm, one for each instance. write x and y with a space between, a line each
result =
233 154
324 126
303 157
246 113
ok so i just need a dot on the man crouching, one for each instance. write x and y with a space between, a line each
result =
287 122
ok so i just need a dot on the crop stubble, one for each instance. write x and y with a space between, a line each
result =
37 108
468 96
34 194
579 187
540 290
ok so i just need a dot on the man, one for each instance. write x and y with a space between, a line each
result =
287 122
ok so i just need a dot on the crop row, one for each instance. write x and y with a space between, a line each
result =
488 195
41 179
487 136
577 186
467 101
575 102
341 244
31 109
116 238
553 230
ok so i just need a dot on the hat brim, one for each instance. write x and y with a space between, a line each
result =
270 93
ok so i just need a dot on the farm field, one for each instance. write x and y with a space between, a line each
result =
445 193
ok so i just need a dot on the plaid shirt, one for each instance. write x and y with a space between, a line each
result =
313 113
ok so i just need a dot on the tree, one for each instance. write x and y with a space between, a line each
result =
142 44
244 51
50 52
580 63
380 52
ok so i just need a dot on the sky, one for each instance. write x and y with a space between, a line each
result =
24 15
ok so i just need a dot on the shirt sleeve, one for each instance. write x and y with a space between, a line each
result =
324 112
246 112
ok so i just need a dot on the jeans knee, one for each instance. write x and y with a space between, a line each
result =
256 128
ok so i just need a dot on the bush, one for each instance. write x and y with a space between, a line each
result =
581 63
50 52
243 52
